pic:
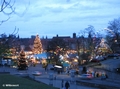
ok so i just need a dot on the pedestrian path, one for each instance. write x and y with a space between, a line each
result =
57 83
81 83
57 80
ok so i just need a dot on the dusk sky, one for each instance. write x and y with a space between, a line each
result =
62 17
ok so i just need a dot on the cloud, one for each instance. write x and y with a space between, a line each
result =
58 16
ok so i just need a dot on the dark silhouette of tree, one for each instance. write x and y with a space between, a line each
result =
4 47
113 34
86 43
85 56
9 42
91 38
58 46
114 28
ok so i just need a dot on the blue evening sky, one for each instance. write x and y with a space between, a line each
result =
62 17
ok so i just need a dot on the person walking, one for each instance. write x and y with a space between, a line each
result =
67 85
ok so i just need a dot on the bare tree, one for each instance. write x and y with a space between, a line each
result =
113 34
90 30
7 4
114 28
7 8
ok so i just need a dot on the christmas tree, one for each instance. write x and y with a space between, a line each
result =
37 46
22 62
103 47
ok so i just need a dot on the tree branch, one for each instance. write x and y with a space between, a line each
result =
4 20
7 8
15 31
7 5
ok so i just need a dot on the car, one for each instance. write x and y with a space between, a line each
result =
95 60
36 73
113 55
51 68
85 76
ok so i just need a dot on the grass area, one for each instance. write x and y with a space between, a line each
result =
16 82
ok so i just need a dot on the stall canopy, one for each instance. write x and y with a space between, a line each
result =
65 64
40 56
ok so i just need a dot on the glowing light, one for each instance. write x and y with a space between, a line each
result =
67 61
57 66
75 60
